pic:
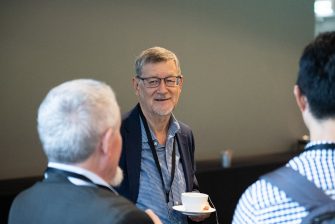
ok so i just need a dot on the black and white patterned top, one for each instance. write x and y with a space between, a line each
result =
265 203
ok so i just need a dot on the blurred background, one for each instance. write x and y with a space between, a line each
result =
239 59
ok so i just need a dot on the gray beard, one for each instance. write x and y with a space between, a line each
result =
117 179
163 113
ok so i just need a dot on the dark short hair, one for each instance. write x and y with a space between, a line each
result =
316 78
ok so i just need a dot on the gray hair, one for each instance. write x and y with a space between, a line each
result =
155 55
73 117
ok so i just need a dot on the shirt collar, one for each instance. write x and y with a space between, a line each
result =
174 127
79 170
318 142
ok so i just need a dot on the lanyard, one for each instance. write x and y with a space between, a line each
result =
75 175
154 154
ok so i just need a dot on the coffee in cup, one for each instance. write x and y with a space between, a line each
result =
194 201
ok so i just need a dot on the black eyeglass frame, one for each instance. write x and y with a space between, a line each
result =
159 80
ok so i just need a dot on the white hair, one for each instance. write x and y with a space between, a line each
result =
73 117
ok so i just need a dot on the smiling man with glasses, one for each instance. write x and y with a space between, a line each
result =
158 150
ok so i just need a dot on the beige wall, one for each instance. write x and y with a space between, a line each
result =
239 59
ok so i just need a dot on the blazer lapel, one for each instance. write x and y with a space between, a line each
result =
133 148
185 159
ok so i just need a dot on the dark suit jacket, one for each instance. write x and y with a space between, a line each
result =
57 201
130 160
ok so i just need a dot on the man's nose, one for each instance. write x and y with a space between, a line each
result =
162 86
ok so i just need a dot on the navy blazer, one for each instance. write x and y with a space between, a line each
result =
130 161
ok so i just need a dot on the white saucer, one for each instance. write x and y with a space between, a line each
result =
181 208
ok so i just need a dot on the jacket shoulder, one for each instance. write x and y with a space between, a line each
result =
129 118
185 129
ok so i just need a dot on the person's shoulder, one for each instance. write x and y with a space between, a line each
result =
25 193
130 113
134 215
32 190
184 127
253 201
262 194
28 196
186 132
130 119
265 194
131 116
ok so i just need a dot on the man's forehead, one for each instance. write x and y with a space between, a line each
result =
160 67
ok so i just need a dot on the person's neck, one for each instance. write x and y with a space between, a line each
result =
159 125
97 165
322 130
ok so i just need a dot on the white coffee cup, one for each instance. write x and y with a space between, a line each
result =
194 201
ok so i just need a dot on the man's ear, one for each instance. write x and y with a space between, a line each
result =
107 140
300 99
135 85
181 83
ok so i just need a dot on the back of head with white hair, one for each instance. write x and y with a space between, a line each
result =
73 117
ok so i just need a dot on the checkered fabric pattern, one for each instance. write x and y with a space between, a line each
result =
266 204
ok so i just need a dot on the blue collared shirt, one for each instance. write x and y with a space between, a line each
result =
151 195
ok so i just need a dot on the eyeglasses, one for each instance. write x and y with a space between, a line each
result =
153 82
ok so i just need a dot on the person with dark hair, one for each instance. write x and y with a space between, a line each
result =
79 127
314 92
158 150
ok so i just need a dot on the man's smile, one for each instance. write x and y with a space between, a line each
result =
162 99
